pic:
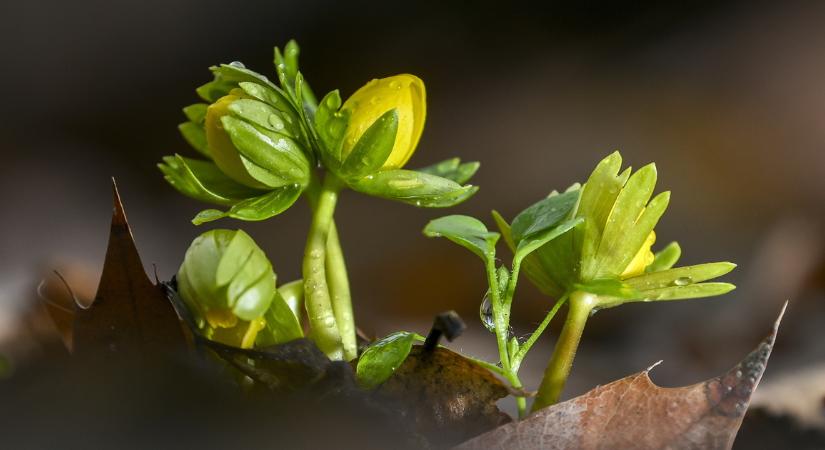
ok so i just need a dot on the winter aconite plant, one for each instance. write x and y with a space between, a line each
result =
265 144
262 146
589 247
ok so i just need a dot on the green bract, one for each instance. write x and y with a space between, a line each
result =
379 360
228 283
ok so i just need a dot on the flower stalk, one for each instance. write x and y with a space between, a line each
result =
558 369
338 282
322 318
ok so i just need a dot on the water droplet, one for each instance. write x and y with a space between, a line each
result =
683 281
375 100
738 374
485 313
329 322
394 84
237 64
315 254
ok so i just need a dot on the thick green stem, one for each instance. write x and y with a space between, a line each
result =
340 292
555 375
317 299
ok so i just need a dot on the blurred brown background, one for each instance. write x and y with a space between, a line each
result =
726 97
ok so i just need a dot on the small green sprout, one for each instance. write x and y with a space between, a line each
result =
589 247
228 283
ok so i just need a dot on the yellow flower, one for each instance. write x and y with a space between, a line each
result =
644 257
221 148
403 92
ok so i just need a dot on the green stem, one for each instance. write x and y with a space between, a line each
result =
339 290
515 362
501 326
521 402
322 319
555 375
501 319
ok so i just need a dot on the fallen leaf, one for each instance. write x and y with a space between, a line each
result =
635 413
448 397
130 315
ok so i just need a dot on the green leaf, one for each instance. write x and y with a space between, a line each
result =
282 325
680 276
293 295
255 271
543 215
415 188
503 277
452 169
380 360
538 239
253 301
373 148
203 181
196 113
237 73
466 231
597 198
255 209
625 231
235 255
195 136
504 228
698 290
283 161
551 264
331 124
665 258
211 278
262 115
610 287
215 89
291 52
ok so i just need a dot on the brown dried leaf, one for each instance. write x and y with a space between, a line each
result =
448 397
130 315
635 413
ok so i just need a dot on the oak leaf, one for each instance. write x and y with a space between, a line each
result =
130 316
635 413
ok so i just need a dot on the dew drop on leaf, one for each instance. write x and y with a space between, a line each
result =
683 281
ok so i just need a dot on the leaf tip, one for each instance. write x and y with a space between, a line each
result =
118 214
654 365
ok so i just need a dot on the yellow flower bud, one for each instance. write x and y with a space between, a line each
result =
403 92
221 148
644 257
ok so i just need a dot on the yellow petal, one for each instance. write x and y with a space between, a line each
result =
644 257
405 93
221 148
